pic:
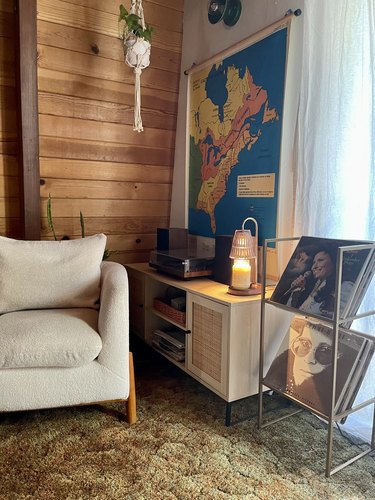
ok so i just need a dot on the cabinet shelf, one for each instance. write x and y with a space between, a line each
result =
165 311
167 318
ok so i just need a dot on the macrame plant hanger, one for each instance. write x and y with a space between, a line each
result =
138 57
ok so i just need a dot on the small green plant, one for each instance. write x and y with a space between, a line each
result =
51 226
132 26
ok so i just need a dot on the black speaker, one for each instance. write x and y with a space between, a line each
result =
222 262
227 10
171 238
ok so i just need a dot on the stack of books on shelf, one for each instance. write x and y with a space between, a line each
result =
170 341
302 367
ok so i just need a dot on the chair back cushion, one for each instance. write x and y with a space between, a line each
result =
49 338
50 274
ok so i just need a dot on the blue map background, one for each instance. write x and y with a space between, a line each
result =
266 60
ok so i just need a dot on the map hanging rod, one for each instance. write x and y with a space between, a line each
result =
263 33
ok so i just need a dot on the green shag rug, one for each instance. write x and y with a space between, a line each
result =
178 449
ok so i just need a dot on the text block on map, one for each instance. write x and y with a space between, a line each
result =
256 186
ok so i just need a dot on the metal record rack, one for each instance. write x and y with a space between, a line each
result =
335 324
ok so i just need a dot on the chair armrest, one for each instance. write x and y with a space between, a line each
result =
113 323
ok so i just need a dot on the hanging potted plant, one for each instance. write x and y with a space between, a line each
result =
136 37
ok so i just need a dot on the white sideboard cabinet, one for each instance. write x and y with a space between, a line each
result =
221 331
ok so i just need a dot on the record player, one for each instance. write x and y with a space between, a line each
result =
183 263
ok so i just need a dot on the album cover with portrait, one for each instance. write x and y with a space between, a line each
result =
302 367
309 280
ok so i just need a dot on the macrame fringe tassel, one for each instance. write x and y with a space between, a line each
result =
137 127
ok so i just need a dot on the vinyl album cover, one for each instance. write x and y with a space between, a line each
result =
309 280
302 367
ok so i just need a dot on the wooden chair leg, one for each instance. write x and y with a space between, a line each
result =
131 405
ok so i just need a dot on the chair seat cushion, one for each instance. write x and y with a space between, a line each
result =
49 338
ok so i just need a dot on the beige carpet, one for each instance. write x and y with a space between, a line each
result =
179 449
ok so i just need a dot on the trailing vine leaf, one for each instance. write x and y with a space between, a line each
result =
147 33
49 216
123 13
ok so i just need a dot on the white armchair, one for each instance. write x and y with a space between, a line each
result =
64 331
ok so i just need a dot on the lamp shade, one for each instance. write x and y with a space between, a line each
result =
242 245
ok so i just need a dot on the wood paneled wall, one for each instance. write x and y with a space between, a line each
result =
91 160
9 172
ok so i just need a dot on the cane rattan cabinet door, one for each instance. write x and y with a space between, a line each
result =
207 343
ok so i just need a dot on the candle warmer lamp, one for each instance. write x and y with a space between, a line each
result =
244 255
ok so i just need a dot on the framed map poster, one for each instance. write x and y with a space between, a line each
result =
235 109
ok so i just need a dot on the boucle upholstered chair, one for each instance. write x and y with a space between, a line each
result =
64 331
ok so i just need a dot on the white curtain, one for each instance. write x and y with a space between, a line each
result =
335 172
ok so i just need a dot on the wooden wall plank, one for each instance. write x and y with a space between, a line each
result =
98 170
170 4
108 225
7 52
8 135
9 187
10 227
8 123
106 69
102 151
7 6
83 17
88 109
67 84
121 243
124 257
7 24
131 242
88 42
111 190
163 15
7 59
8 165
108 208
10 207
7 97
63 127
7 55
8 148
137 226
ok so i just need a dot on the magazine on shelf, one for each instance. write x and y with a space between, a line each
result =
302 367
309 280
173 336
168 350
171 342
